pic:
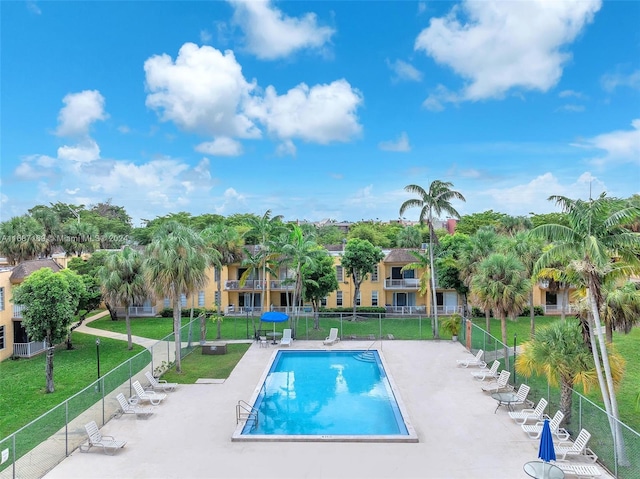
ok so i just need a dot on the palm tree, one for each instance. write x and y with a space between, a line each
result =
621 309
558 352
227 244
528 249
265 228
480 245
253 262
176 264
501 283
123 283
433 202
301 251
598 236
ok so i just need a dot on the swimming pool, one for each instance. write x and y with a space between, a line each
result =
327 396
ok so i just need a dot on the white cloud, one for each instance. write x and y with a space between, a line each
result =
320 114
285 148
570 93
80 111
202 91
33 7
572 108
35 166
621 146
422 7
229 198
84 152
611 81
221 146
205 37
404 71
71 192
530 196
124 129
497 46
401 144
270 34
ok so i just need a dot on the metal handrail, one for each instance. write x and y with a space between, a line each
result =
245 411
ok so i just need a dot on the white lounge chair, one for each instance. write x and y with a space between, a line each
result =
151 396
521 396
108 444
534 431
525 415
286 337
583 471
474 361
578 448
333 337
500 384
159 384
485 373
132 408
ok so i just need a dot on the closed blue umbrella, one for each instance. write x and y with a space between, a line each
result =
274 317
546 451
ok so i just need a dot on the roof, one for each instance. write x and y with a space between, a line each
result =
24 269
401 255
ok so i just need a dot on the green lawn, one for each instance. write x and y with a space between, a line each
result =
23 382
197 365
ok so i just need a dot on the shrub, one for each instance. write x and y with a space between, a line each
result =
537 311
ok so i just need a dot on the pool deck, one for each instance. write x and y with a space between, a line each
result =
189 436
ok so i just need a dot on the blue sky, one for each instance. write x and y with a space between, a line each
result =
317 109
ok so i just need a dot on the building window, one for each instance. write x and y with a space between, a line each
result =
1 299
323 302
183 300
374 274
339 298
340 273
1 337
374 298
167 303
216 275
200 298
358 299
217 298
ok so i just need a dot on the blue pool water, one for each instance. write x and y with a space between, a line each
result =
326 393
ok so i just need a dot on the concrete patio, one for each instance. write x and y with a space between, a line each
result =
189 436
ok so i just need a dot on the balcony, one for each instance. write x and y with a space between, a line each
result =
28 350
281 285
402 283
249 285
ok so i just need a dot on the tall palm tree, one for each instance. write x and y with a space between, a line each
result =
598 236
558 352
253 261
227 248
301 251
435 201
176 263
480 246
265 228
123 282
502 284
528 249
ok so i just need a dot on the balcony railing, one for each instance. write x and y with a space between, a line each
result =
137 311
404 283
249 285
281 284
17 311
27 350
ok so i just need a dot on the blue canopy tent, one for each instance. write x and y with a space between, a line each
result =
274 317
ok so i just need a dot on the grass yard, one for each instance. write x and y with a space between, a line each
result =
197 365
23 381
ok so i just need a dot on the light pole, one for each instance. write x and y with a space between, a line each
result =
515 337
98 356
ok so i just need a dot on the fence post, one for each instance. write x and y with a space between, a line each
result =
66 428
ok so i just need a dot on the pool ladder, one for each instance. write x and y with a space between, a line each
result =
246 412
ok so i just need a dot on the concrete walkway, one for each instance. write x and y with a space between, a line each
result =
189 436
86 329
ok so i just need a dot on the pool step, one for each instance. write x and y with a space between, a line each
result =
366 356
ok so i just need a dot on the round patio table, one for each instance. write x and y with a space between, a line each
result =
540 470
274 335
505 399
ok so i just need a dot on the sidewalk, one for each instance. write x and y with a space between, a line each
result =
84 328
